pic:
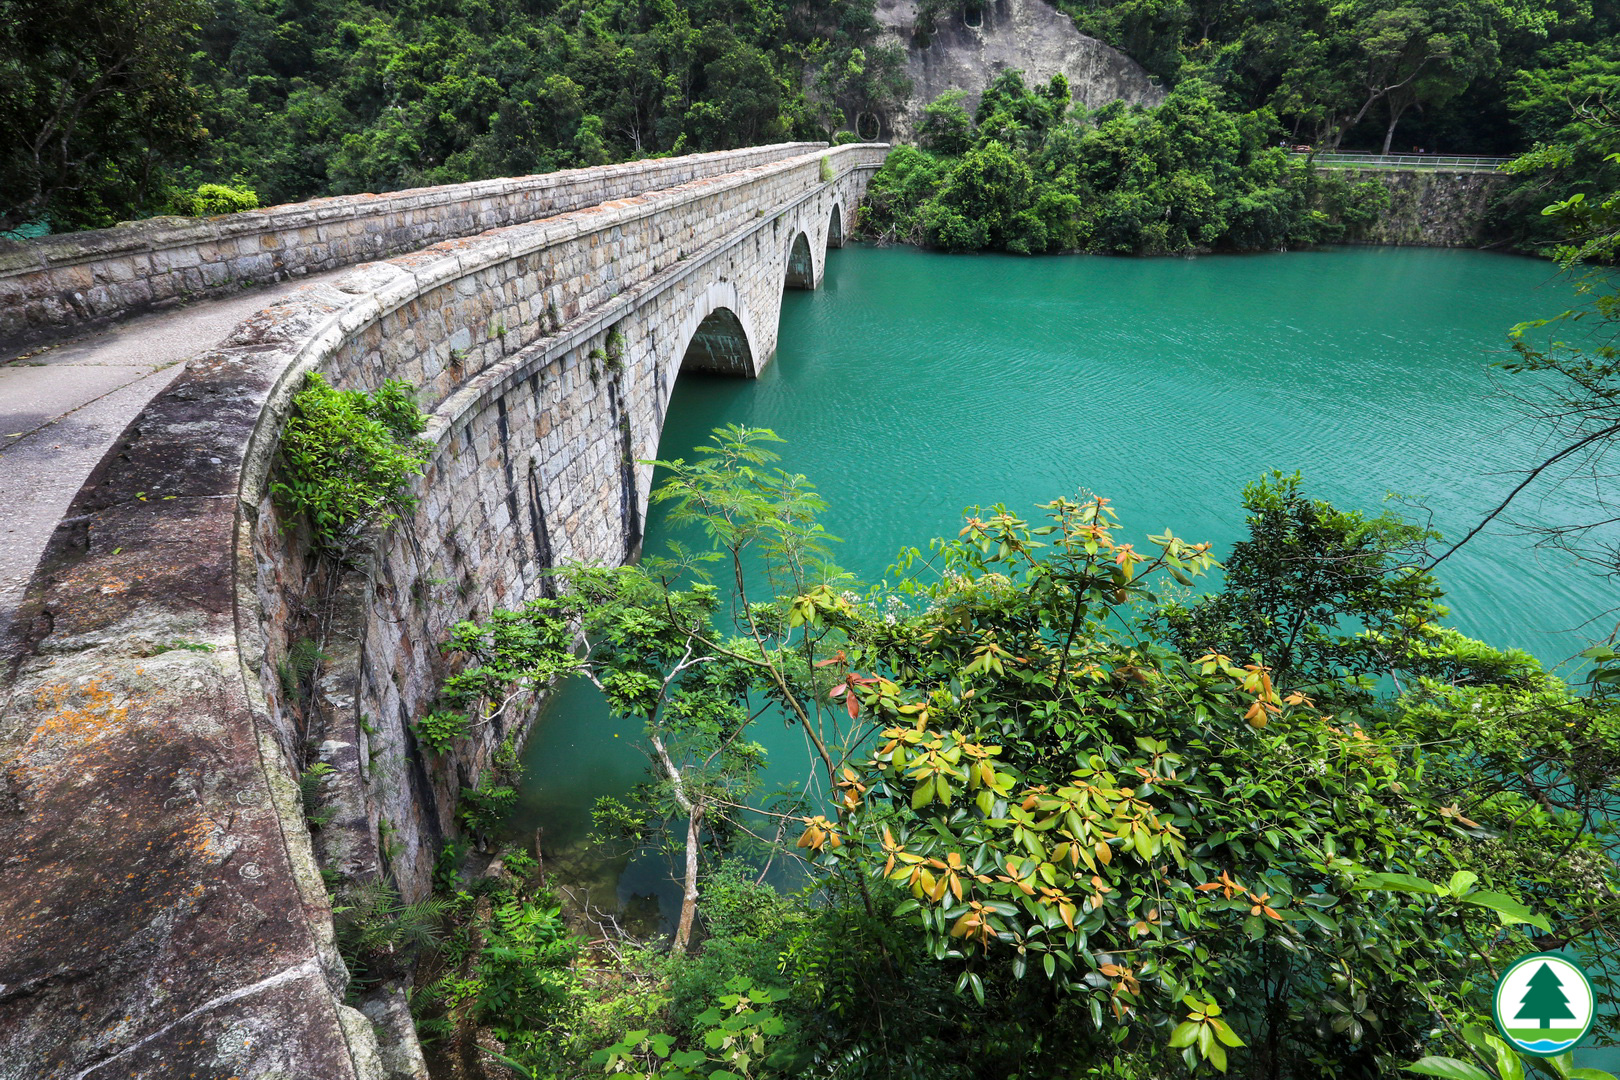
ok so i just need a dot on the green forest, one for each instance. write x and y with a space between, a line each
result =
129 108
1208 169
126 108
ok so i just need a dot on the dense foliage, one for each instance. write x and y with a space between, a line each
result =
94 104
185 106
1063 823
119 106
346 460
1026 173
1445 73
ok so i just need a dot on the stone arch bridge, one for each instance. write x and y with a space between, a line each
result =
171 675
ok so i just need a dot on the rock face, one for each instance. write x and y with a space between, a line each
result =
1030 35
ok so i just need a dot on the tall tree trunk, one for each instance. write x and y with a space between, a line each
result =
694 831
689 896
1394 118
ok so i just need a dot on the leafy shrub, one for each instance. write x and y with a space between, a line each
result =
447 867
439 730
739 1034
212 199
749 925
371 924
346 460
523 969
1026 176
484 807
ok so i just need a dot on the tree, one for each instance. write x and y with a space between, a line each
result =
1407 54
946 127
93 98
1326 596
693 670
1544 999
1023 790
1155 837
1576 389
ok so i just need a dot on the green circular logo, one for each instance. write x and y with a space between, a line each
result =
1543 1004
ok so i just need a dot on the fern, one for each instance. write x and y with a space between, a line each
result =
369 921
309 793
298 668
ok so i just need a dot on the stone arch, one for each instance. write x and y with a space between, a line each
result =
835 227
718 335
801 263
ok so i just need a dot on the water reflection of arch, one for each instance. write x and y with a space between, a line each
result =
801 263
718 335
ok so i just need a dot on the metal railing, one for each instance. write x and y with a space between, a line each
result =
1349 160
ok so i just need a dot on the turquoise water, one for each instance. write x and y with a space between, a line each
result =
913 384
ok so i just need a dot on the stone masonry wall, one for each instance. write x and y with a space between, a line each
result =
1431 207
173 908
59 283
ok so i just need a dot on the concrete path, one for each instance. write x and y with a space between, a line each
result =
62 406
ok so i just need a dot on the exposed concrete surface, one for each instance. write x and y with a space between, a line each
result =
62 407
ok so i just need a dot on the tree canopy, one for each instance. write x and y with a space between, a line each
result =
1064 816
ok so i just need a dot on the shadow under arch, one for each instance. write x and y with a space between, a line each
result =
835 227
717 336
801 265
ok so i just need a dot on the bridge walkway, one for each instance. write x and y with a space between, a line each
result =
63 405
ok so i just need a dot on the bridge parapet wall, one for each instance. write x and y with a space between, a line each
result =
146 732
60 283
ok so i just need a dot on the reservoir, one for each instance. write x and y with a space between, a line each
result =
914 384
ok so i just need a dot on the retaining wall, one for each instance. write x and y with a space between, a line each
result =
1431 207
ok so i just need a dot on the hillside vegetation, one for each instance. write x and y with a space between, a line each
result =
127 108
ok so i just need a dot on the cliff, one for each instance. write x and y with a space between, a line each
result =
1030 35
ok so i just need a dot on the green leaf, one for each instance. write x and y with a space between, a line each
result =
1405 883
1185 1034
1448 1069
1224 1032
1508 908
